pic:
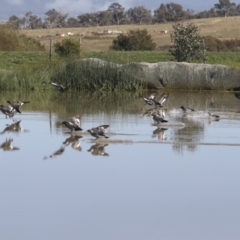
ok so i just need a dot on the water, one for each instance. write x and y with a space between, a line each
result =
144 183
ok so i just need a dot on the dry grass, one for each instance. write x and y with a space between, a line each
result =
222 28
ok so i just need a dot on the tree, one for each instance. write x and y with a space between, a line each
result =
134 40
55 19
103 18
117 11
73 22
87 19
224 6
187 43
160 14
32 21
139 15
15 21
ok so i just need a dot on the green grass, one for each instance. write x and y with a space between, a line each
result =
19 60
27 70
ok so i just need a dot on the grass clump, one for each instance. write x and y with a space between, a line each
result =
96 75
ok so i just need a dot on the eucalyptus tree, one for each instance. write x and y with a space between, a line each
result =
73 22
55 19
159 14
139 15
224 6
87 19
103 18
15 21
32 21
117 12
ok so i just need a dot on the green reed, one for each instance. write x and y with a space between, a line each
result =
96 75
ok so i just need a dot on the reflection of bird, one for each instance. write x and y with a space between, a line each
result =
157 118
98 150
159 101
14 127
160 132
7 145
237 95
98 131
72 126
8 111
17 105
58 152
213 116
74 141
187 110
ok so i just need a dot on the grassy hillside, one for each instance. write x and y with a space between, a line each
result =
222 28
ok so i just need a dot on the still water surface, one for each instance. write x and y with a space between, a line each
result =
145 183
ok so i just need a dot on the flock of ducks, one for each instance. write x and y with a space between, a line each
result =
157 112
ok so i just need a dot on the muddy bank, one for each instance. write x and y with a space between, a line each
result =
177 75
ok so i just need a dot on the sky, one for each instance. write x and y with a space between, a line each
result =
78 7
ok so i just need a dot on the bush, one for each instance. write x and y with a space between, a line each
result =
67 48
213 44
187 43
134 40
11 40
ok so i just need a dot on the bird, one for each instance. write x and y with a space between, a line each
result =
159 102
99 131
72 126
187 110
162 112
60 87
76 120
17 105
149 100
213 116
9 111
157 118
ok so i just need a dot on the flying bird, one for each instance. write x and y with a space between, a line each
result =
159 101
17 105
9 111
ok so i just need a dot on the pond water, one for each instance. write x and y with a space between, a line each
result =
144 182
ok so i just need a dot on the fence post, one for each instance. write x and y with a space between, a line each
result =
50 50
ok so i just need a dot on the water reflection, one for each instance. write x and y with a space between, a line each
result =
73 140
98 149
58 152
7 145
14 127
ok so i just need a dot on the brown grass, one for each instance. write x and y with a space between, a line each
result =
221 28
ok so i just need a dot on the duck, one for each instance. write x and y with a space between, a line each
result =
157 118
187 110
9 111
60 87
159 102
17 105
213 116
149 100
72 126
99 131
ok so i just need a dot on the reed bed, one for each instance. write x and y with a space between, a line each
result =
96 75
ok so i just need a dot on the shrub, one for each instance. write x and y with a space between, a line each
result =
67 48
11 40
213 44
134 40
187 43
